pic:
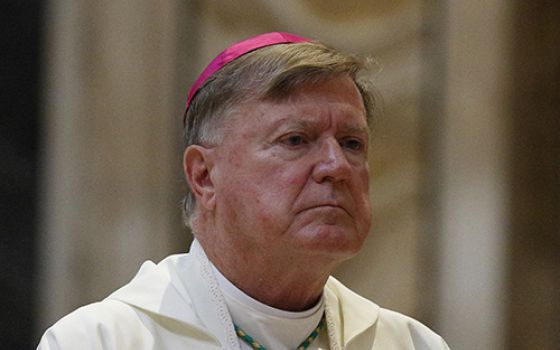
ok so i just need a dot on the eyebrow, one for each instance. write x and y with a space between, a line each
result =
302 123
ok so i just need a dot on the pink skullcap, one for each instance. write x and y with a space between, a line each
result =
239 49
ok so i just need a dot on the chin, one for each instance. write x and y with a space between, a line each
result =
335 241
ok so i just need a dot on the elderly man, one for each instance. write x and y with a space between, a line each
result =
277 131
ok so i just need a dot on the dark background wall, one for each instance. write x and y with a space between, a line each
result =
534 313
20 35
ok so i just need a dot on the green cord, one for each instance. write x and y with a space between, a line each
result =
258 346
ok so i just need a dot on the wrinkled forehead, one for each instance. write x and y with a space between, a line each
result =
335 98
334 93
309 86
311 105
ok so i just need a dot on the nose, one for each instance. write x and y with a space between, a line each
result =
332 164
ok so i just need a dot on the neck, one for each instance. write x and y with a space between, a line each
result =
287 283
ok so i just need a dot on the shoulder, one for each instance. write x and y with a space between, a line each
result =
379 328
349 302
94 326
394 325
154 303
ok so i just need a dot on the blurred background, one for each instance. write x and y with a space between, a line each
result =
465 164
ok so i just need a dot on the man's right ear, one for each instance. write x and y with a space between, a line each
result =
197 165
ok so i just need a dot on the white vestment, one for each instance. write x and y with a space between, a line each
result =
274 328
178 304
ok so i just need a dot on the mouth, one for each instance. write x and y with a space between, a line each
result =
326 206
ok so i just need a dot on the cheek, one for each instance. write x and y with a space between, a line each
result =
265 189
279 178
277 189
362 193
262 184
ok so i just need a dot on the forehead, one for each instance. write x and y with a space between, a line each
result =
336 97
337 89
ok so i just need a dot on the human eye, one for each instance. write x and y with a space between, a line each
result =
293 140
353 144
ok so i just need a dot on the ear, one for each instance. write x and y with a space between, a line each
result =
197 165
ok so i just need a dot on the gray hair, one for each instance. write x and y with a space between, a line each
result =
269 73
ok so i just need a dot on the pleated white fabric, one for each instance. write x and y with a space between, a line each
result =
178 304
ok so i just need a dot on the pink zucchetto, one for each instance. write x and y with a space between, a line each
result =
239 49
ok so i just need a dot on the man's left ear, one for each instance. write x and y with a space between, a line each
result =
197 165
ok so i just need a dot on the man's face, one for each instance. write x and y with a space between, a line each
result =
292 176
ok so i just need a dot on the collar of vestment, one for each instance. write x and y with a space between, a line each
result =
184 288
275 328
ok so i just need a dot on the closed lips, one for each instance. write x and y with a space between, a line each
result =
326 206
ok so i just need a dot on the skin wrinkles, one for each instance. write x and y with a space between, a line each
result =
309 131
288 188
322 121
336 198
